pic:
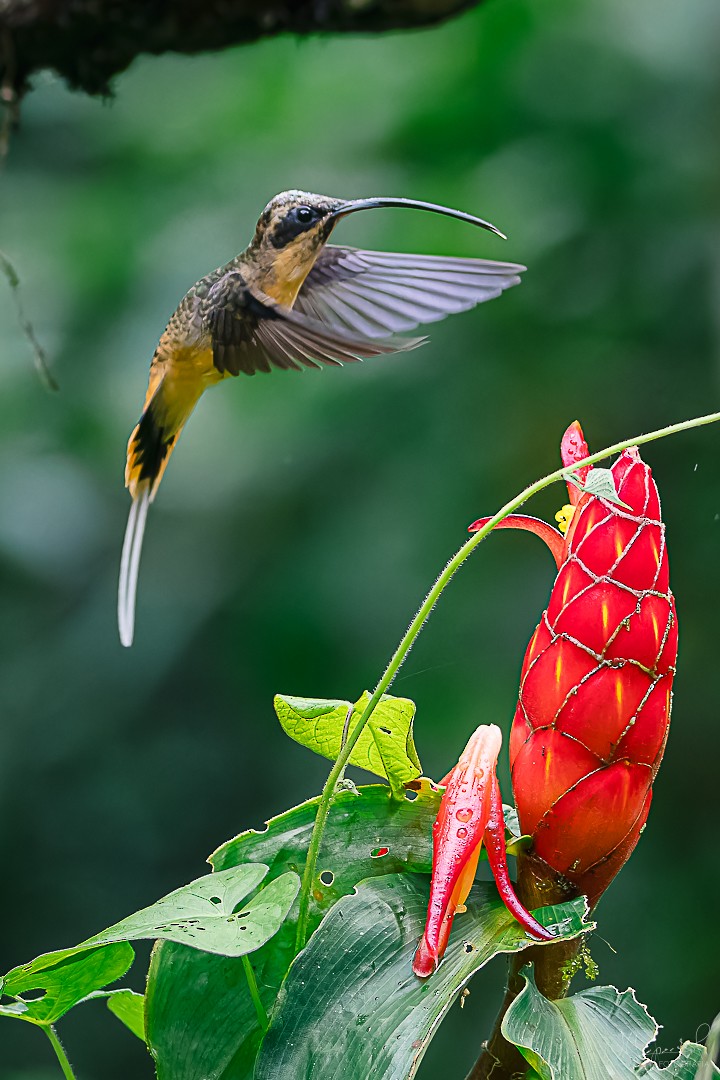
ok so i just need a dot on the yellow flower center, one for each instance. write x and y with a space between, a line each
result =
564 517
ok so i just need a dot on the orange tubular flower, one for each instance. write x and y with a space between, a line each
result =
470 813
594 706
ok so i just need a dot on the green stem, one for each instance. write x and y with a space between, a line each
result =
59 1052
408 639
255 995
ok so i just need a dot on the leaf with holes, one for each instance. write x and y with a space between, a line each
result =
200 1017
204 913
385 747
65 978
598 1034
369 1015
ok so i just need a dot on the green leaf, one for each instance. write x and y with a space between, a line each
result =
385 747
126 1005
204 913
518 844
368 834
66 977
200 1017
600 482
708 1069
368 1014
130 1008
598 1034
512 821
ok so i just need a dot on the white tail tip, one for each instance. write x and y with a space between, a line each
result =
129 565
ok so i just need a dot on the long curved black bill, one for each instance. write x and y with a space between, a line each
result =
412 204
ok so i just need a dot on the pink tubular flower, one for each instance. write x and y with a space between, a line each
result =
594 705
470 813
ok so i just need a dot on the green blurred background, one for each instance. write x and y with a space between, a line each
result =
304 516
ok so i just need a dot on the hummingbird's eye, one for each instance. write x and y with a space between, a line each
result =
297 220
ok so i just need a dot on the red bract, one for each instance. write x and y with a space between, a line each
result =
594 706
470 813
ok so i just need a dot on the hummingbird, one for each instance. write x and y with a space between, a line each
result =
289 300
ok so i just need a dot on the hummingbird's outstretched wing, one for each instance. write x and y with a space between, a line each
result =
376 293
251 332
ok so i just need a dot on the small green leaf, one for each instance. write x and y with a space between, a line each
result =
518 844
200 1018
599 482
130 1008
66 977
385 747
368 1014
512 822
126 1005
598 1034
204 913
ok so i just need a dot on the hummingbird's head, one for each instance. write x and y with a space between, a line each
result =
306 220
295 225
298 219
290 234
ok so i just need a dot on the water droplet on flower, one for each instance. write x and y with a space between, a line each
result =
462 833
464 814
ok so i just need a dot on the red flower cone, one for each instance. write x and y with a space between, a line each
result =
594 706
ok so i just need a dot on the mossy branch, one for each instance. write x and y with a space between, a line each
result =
88 42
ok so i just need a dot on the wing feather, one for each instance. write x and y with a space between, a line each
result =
376 293
250 332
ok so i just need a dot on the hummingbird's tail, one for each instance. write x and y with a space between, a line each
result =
148 452
130 563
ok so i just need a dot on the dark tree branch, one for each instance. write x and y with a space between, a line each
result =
89 41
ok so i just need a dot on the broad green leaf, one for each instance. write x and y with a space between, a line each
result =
200 1018
130 1008
368 1015
598 1034
368 834
204 913
66 977
385 747
686 1066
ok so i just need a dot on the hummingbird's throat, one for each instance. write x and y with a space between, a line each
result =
285 275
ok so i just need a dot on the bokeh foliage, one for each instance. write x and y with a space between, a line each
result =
304 516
